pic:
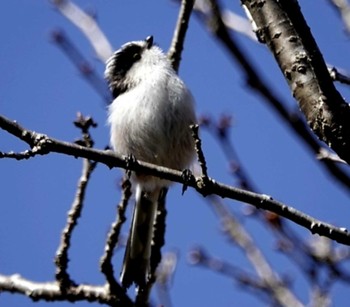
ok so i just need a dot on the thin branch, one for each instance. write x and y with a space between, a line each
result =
51 291
220 131
237 234
339 75
82 64
165 275
110 159
178 40
25 155
199 151
198 256
88 26
61 258
106 265
231 20
343 8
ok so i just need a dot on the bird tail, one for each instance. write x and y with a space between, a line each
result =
136 264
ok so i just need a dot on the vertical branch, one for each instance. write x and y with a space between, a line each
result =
61 258
178 40
106 265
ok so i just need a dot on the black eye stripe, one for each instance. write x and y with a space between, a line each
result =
119 64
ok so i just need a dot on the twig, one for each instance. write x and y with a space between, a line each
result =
178 40
165 275
231 20
106 265
199 151
51 291
220 130
88 27
82 64
61 258
198 256
325 154
339 76
110 159
25 155
237 234
343 8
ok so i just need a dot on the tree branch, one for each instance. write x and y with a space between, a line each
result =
61 258
177 43
106 264
108 158
257 83
51 291
283 28
277 289
88 26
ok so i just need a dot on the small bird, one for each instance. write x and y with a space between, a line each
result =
149 119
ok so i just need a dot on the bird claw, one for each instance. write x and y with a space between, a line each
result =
187 177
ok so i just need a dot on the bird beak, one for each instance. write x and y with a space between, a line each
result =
149 42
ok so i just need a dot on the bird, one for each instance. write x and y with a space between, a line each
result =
149 119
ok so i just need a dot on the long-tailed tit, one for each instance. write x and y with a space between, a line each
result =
149 118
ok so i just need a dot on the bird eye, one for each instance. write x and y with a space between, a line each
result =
136 56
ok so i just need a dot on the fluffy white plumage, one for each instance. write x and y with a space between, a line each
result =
149 119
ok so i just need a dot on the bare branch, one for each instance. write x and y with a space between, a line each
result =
61 259
237 234
51 291
110 159
82 64
343 8
231 20
112 240
88 27
257 83
339 75
198 256
199 151
178 40
165 275
291 42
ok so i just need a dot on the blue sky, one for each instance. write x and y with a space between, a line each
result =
43 91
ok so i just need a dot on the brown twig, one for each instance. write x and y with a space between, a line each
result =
178 40
112 240
61 258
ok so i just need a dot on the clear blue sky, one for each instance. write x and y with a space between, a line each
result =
42 90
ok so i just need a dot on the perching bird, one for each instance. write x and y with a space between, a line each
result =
150 119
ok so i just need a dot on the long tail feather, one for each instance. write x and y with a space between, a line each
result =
136 264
